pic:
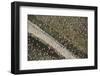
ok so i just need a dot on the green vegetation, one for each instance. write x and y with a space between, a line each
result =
69 31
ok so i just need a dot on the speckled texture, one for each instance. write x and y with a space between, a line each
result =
39 51
69 31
